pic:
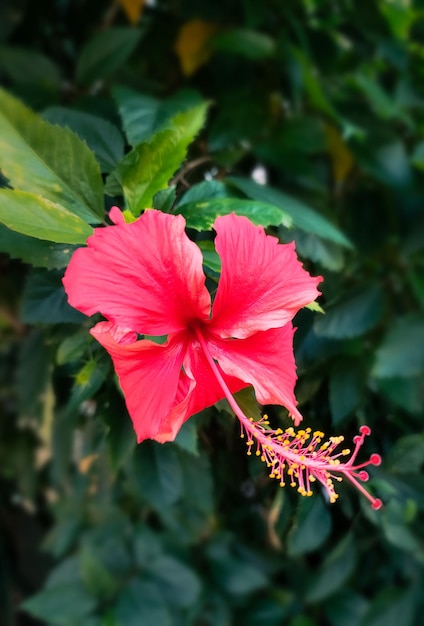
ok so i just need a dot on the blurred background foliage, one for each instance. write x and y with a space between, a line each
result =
316 112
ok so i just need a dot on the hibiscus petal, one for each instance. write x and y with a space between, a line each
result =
146 275
149 375
207 390
266 361
262 283
197 390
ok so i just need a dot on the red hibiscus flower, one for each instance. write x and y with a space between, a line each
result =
146 278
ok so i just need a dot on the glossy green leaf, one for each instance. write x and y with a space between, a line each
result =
202 215
143 115
247 43
187 438
157 473
302 216
96 576
49 161
346 608
45 301
141 602
102 137
400 354
391 607
311 528
36 252
35 216
347 380
357 314
234 573
105 53
28 66
33 373
181 586
64 605
319 250
337 567
149 166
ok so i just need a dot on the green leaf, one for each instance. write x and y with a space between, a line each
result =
102 137
96 576
143 115
64 605
250 44
34 368
407 393
73 347
36 252
346 609
326 253
417 157
49 161
400 353
44 300
391 607
302 216
311 528
265 612
88 381
24 65
234 572
156 471
187 437
357 314
202 215
35 216
121 437
181 586
347 380
207 190
337 567
105 53
211 258
407 455
149 166
141 602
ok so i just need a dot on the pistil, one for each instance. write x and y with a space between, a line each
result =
301 457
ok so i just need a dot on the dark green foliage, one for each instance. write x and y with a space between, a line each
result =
307 117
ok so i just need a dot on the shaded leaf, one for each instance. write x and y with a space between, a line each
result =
181 586
311 527
141 602
156 470
28 66
247 43
102 137
400 353
302 216
105 53
337 567
44 300
36 252
357 314
63 605
347 380
143 115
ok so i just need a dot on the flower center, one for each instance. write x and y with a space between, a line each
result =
301 457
